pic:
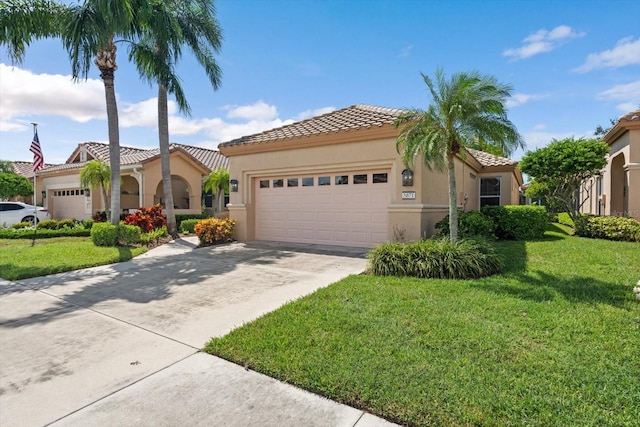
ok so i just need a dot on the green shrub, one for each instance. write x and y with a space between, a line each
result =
20 225
104 234
188 226
66 223
128 234
27 233
154 235
608 227
565 219
518 222
87 224
212 230
438 259
470 224
184 217
48 224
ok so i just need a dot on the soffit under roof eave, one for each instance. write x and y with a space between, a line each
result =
620 129
352 135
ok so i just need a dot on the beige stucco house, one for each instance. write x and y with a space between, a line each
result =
59 189
617 191
337 179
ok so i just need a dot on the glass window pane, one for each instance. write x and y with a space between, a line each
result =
489 201
324 180
292 182
379 178
307 182
490 187
342 179
360 179
278 183
264 183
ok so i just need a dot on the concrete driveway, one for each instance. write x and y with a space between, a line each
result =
118 344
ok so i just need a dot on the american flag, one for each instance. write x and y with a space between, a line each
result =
38 158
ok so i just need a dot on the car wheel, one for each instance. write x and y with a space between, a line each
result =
28 219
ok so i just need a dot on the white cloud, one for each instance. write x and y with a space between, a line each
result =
312 113
625 52
540 126
405 51
543 41
537 139
28 94
628 93
522 98
257 111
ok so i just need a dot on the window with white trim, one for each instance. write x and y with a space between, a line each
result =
489 192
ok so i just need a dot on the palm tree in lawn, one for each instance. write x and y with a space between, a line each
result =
175 24
88 32
467 111
97 173
218 182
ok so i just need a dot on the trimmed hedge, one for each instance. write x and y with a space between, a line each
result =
43 233
184 217
515 222
608 227
470 224
128 234
437 259
211 231
104 234
187 226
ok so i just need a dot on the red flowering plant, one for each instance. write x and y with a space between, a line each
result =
148 219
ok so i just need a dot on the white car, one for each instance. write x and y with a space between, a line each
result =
15 212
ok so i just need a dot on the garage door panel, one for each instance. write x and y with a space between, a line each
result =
348 214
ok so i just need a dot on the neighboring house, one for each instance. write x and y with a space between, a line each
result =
617 191
26 169
337 179
141 183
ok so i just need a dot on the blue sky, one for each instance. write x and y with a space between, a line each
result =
573 65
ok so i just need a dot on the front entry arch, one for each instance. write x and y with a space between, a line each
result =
180 190
619 187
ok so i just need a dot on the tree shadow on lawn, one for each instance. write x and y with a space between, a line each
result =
540 286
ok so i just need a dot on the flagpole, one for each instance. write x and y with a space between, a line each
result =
35 193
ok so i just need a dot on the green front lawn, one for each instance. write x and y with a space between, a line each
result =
554 340
19 260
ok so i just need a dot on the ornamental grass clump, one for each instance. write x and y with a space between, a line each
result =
212 231
436 259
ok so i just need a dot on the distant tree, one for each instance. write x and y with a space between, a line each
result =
467 110
97 173
602 131
562 168
218 182
12 185
6 166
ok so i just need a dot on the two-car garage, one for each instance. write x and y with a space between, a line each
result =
347 208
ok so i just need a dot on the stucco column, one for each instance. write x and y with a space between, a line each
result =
633 174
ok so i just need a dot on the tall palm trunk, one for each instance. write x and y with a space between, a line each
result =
106 62
105 199
453 205
163 136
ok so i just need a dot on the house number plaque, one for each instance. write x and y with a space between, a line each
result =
408 195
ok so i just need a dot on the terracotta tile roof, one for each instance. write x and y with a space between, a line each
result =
211 159
350 118
634 115
488 160
26 168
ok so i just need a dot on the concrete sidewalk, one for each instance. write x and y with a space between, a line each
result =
118 344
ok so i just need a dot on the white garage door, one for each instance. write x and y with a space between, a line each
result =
68 203
347 209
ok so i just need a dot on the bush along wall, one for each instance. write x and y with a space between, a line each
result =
212 231
470 224
518 222
608 227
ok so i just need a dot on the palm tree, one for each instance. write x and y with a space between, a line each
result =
218 182
88 33
467 111
176 23
97 173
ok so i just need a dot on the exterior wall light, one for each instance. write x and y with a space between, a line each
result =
233 185
44 194
87 192
407 178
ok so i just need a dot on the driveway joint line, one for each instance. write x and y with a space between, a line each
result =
121 388
359 418
113 317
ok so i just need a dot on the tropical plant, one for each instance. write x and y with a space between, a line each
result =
176 23
467 111
97 174
218 182
88 32
564 167
12 185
